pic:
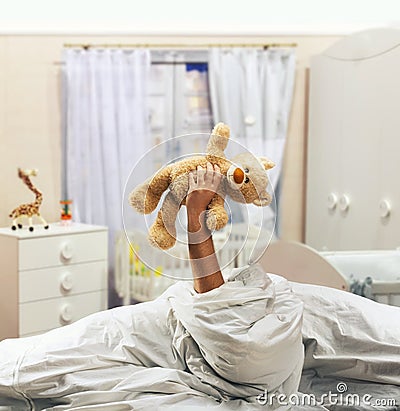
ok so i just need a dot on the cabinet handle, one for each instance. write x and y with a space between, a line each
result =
344 202
332 201
67 251
67 281
66 314
385 208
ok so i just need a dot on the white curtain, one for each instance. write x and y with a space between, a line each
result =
251 90
106 129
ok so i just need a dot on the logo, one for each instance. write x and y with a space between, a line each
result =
341 397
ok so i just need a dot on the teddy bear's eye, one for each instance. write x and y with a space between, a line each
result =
246 180
246 170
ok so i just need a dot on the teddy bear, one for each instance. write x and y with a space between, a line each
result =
244 180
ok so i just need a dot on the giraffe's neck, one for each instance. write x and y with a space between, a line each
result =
38 193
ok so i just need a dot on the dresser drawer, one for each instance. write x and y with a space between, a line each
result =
62 250
44 315
57 282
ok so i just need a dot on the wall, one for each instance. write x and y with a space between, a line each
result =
205 17
30 116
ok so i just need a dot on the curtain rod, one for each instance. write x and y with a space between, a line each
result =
189 46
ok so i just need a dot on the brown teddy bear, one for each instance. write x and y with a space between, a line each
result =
245 181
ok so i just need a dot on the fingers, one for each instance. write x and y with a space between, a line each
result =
192 182
210 176
217 175
200 175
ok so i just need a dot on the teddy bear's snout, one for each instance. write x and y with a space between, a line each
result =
236 176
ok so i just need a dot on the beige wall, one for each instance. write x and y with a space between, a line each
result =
30 130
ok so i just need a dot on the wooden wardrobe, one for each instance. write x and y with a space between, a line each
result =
353 154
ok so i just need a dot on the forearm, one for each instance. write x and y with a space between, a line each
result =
205 267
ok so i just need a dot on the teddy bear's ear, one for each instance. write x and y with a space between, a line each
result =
266 162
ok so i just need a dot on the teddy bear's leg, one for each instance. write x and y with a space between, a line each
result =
142 200
217 217
163 231
145 197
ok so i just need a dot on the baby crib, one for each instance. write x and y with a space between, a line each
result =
374 274
135 280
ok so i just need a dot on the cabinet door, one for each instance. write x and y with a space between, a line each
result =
358 164
324 153
353 152
343 169
388 167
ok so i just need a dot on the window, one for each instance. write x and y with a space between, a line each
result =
179 101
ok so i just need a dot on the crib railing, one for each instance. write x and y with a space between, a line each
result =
135 280
374 274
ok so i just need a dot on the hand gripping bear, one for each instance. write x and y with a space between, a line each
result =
245 181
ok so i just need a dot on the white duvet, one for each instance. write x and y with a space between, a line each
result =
221 349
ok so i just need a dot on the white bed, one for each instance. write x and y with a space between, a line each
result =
218 350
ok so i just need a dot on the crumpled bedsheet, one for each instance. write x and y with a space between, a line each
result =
352 347
217 350
349 336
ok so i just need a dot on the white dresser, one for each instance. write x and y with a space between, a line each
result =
50 278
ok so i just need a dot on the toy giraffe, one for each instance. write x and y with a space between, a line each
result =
31 209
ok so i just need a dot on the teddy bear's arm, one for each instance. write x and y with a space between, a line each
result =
217 216
145 197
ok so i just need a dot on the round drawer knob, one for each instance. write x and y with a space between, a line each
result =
67 281
66 314
384 208
344 202
332 201
67 251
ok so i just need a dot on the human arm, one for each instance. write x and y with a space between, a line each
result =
205 268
